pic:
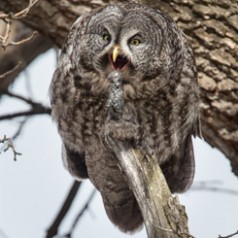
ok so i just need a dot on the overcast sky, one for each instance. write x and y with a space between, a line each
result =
33 188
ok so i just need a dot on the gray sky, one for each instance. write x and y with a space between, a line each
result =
33 188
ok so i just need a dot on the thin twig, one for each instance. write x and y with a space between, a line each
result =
4 39
6 35
20 41
231 235
9 72
24 12
76 220
9 145
17 96
20 128
3 234
53 229
5 44
20 14
205 187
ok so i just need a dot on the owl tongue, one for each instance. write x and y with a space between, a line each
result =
120 62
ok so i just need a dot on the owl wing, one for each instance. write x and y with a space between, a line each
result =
74 162
179 169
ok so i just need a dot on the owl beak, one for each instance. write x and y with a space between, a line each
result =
115 53
118 59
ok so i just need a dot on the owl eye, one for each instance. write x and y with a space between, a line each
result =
106 37
135 42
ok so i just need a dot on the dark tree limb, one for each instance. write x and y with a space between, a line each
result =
20 128
209 186
17 96
53 229
36 108
80 214
39 110
229 236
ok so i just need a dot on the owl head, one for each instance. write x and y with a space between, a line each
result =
132 38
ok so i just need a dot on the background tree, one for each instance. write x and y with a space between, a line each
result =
212 27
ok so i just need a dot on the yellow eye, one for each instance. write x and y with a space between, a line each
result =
135 42
106 37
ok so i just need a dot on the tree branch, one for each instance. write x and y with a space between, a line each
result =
9 145
80 214
53 229
163 216
38 110
207 186
15 58
231 235
14 95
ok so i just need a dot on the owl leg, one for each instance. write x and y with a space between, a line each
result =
179 168
75 163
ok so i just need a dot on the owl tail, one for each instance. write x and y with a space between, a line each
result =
126 214
119 201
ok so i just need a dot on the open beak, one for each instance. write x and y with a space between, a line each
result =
118 60
115 52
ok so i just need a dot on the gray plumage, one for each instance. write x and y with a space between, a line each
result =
133 63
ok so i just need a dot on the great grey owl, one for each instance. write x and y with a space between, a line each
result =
160 110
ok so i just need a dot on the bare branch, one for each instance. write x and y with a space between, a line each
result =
20 128
14 95
53 229
15 59
231 235
4 45
163 215
80 214
21 14
11 71
8 144
3 234
25 11
6 35
37 110
206 186
4 40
